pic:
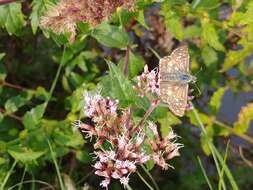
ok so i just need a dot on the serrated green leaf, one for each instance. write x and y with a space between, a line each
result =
141 18
117 86
210 36
167 122
245 116
136 64
172 21
236 57
192 31
15 102
209 55
216 100
12 18
32 118
24 155
111 36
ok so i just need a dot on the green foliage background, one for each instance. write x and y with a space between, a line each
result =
43 77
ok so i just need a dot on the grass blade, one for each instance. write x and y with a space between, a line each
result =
204 173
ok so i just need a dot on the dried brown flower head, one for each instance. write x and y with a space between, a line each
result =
65 15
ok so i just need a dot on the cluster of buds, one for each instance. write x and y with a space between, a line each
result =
64 16
163 149
125 140
148 82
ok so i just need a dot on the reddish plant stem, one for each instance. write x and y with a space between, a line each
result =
2 2
126 63
148 112
12 85
11 115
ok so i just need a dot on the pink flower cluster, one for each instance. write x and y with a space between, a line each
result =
126 140
148 82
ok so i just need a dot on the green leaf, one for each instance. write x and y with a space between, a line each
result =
140 17
111 36
83 156
1 56
38 8
207 138
209 55
12 18
205 4
245 116
192 31
135 64
236 57
216 100
16 102
3 73
167 122
172 21
33 117
210 36
24 154
118 86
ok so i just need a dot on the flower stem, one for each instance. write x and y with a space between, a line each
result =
231 130
154 104
150 176
142 178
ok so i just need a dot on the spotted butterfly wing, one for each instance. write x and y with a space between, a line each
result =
174 94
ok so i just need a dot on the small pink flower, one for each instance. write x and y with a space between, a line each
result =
124 180
105 183
148 82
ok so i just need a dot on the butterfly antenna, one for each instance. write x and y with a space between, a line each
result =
199 91
154 52
201 68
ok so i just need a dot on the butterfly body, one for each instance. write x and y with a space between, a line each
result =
179 77
174 77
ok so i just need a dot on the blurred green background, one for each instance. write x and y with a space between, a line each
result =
43 77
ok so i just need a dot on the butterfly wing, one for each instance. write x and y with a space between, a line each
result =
175 96
180 57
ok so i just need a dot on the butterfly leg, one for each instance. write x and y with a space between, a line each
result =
190 98
189 107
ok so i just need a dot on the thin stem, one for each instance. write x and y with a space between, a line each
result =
56 78
142 178
129 187
8 175
154 104
56 166
22 179
245 159
150 176
32 181
204 173
12 85
210 145
231 130
2 2
11 115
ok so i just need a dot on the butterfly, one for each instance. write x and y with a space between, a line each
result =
174 78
